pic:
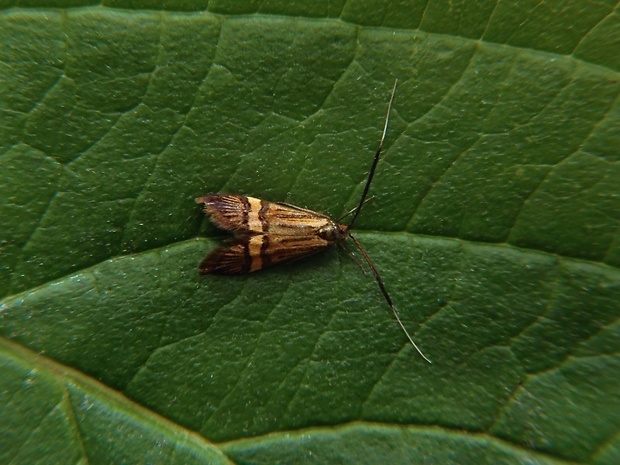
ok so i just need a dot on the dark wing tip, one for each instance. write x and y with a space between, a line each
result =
228 260
207 265
206 198
212 264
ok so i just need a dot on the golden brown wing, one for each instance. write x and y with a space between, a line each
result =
239 213
281 249
282 219
255 252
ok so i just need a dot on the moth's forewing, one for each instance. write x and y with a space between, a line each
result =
266 233
281 249
255 252
228 259
239 213
228 212
282 219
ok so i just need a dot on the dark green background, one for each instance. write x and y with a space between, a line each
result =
494 225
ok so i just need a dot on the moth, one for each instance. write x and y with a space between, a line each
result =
270 233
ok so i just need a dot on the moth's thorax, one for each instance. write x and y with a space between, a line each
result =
333 232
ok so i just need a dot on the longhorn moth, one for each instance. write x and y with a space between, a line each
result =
269 233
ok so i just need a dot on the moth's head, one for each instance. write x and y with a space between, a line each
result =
334 232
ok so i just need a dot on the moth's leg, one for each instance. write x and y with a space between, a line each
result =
345 247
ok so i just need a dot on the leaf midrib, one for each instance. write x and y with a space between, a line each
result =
216 239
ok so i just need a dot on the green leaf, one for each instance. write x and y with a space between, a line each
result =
51 414
494 225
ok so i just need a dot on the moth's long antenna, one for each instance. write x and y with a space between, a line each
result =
371 174
386 295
